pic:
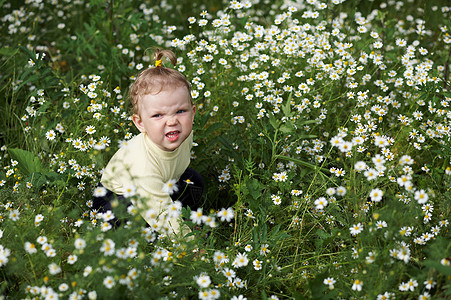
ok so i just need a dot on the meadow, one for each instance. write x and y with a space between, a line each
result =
322 132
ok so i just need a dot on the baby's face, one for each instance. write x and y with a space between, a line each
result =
167 117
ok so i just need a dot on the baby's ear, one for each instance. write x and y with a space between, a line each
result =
138 122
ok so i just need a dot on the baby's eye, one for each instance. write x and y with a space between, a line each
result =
181 111
156 116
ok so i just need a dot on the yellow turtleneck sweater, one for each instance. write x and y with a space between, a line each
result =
144 165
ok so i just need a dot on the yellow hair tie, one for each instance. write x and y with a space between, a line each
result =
158 63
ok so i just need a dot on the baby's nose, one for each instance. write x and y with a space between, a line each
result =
172 120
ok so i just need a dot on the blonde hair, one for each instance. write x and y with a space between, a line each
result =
155 79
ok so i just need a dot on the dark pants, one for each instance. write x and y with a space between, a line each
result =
189 194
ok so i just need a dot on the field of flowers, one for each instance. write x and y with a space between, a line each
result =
322 131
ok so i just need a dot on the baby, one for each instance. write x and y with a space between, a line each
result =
155 162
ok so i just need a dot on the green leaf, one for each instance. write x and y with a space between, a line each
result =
38 179
264 235
286 108
322 238
302 163
276 234
317 287
255 238
305 122
445 270
381 15
322 234
273 121
255 188
298 296
44 107
28 52
28 162
225 142
213 127
287 128
8 51
202 120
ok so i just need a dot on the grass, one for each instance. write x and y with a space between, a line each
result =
324 127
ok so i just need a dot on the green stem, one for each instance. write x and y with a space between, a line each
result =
237 206
273 149
29 259
63 189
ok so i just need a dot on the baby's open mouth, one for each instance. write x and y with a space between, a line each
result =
173 135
